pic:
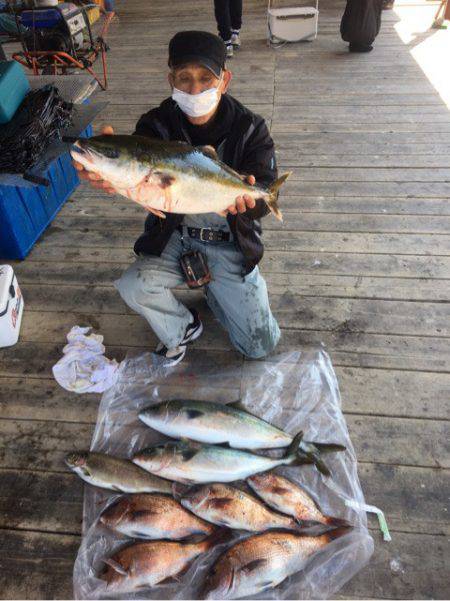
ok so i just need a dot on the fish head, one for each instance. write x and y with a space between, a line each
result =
221 581
78 462
155 459
196 496
261 481
155 415
116 512
111 158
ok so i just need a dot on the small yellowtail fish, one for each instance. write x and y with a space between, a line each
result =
225 505
191 462
114 473
217 423
171 177
153 517
263 561
289 498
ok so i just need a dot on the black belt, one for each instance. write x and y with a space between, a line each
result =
205 235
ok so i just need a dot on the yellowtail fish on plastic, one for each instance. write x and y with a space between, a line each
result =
190 462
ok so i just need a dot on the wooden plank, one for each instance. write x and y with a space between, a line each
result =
370 174
91 203
298 221
401 570
364 391
291 310
42 445
407 244
37 565
312 262
354 286
414 499
391 392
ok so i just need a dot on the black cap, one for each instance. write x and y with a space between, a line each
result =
200 47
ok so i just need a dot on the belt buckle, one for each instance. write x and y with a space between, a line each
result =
204 229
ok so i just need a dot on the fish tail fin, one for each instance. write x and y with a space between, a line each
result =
312 454
294 445
325 447
274 190
336 522
218 537
338 532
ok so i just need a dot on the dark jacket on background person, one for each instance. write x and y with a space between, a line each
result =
243 142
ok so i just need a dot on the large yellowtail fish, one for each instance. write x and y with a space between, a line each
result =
172 177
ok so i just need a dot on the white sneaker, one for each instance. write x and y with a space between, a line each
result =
194 329
230 52
235 40
173 356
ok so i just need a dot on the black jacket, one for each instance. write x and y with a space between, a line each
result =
247 147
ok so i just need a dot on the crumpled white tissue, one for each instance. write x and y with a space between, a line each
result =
84 367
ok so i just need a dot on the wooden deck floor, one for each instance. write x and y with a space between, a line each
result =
361 264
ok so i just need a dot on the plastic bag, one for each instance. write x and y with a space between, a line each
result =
361 22
295 391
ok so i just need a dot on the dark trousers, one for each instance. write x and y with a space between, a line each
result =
228 16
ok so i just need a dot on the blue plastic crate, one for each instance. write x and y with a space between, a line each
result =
25 212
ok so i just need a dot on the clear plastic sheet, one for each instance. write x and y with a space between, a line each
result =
294 391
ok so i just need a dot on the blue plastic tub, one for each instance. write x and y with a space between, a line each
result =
13 88
25 212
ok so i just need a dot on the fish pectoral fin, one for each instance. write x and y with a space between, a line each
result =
239 405
169 580
279 490
220 502
165 180
253 565
188 454
137 515
208 151
115 565
194 413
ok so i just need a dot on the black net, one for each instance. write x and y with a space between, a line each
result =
38 122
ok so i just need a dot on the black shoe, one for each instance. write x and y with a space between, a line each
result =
194 329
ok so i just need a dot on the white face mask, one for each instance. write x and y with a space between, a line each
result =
197 105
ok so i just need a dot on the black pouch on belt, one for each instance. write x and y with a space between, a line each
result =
195 269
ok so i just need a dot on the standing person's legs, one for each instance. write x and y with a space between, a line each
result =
241 304
236 15
146 288
222 13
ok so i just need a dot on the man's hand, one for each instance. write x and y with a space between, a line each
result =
97 182
243 202
94 179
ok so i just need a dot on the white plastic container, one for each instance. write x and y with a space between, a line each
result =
11 307
292 24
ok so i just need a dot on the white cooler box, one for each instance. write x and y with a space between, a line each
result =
11 307
292 24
